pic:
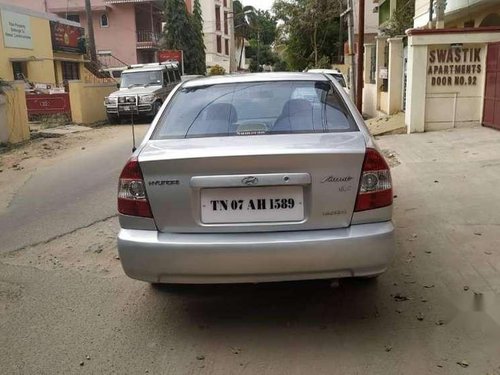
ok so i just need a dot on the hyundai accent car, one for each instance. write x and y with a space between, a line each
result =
256 178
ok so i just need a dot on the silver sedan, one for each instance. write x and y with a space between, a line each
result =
256 178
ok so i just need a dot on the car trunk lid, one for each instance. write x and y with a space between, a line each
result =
253 183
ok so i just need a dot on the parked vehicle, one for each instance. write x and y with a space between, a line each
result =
142 90
256 178
115 73
334 73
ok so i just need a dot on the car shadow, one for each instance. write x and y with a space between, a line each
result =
304 304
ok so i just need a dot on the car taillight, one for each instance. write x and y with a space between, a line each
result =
132 198
375 188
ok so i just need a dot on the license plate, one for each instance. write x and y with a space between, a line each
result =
252 205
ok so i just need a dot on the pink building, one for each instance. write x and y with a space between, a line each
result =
126 31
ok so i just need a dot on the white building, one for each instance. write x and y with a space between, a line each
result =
218 29
444 73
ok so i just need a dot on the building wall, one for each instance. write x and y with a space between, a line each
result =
477 16
41 71
465 100
463 9
371 18
120 36
87 101
14 115
227 61
445 98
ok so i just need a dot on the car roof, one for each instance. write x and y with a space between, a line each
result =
329 71
145 69
254 77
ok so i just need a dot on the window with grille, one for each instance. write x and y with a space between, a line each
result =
226 46
73 17
217 18
373 64
70 70
219 44
104 20
225 24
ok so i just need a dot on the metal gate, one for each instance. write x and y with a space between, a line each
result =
491 112
48 104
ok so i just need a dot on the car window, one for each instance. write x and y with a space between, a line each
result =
170 76
143 78
177 75
238 109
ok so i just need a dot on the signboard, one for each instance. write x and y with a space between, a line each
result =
454 66
172 55
383 73
16 30
67 38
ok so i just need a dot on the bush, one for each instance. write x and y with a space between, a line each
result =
217 70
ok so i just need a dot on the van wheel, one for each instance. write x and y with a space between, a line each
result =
113 119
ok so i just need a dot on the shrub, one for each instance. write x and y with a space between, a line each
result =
217 70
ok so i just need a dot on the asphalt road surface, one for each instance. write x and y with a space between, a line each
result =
70 191
67 308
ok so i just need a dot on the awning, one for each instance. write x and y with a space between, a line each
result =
25 59
69 59
77 9
129 1
35 59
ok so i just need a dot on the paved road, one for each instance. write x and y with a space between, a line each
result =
67 308
73 190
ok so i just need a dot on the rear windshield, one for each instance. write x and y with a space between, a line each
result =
255 108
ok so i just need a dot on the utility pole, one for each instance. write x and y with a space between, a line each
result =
258 49
341 39
90 31
361 53
350 36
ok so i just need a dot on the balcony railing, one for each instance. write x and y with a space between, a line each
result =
147 39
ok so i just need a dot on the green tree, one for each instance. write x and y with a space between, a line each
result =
309 31
197 21
242 16
182 32
401 19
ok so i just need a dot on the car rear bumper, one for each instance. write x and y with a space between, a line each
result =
360 250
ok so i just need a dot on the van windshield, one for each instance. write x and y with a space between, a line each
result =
255 108
131 79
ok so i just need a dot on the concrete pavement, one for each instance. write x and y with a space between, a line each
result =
66 307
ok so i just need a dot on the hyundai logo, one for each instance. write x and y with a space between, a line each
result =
250 180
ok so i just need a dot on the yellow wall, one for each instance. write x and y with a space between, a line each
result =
87 101
16 128
38 71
